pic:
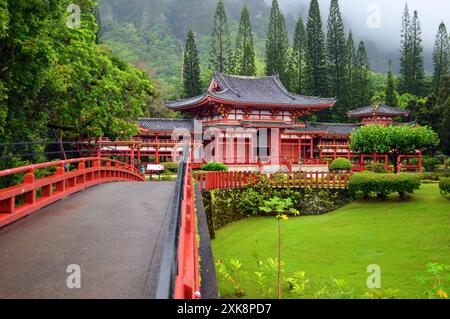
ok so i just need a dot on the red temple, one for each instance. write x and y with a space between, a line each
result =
254 123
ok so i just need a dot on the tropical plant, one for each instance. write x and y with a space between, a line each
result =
281 207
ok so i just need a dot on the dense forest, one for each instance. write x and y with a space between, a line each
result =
57 82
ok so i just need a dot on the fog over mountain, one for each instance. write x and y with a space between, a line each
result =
382 42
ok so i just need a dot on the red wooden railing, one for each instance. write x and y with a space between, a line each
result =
228 180
187 282
35 193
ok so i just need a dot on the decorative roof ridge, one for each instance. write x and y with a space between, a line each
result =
186 99
228 85
162 119
277 80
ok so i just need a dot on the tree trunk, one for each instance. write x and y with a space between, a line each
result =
279 261
394 159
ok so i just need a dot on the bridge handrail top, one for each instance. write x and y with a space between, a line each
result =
34 167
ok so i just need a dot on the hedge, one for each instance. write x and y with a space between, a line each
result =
341 164
377 168
214 167
383 184
171 167
444 185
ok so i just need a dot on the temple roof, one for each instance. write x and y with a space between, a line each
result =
166 124
372 110
328 128
256 91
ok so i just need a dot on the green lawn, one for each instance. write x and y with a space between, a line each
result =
400 237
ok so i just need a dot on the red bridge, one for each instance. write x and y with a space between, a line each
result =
127 239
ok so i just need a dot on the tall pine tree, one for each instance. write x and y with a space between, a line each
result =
348 99
391 93
191 68
440 57
299 58
221 57
417 60
336 49
244 57
405 51
362 76
316 55
277 44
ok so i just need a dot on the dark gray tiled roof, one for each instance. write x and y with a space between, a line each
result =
328 128
258 90
166 124
379 110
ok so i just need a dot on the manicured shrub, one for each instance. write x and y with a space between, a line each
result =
171 167
214 167
430 163
384 184
444 185
377 168
341 164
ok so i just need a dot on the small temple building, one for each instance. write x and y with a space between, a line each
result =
254 123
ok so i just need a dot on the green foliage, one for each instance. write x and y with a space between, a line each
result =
316 53
444 185
170 166
277 44
436 281
391 94
378 168
214 167
281 207
392 140
62 79
383 184
221 57
441 56
245 56
362 69
191 68
298 65
341 164
232 273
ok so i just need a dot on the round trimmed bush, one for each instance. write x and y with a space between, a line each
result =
377 168
341 164
214 167
444 185
171 167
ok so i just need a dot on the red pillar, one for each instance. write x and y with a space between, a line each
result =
312 148
420 161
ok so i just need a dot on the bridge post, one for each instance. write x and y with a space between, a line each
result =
30 197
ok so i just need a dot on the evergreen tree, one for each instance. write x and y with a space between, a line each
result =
221 50
440 57
299 58
191 68
244 57
362 76
405 51
316 57
336 49
348 99
277 44
391 94
417 60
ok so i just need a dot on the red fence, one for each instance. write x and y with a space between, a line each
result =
187 282
229 180
35 193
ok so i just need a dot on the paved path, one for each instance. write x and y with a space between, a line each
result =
110 231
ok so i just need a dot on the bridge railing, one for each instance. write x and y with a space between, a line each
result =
179 272
59 181
316 180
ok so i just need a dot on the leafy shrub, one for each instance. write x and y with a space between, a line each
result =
384 184
434 176
444 185
214 167
431 163
171 167
341 164
377 168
